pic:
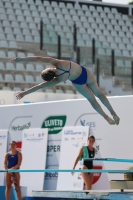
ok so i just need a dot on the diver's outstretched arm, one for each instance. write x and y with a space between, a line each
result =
45 84
51 60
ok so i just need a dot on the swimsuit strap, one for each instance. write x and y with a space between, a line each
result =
64 71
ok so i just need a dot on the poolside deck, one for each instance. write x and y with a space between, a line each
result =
86 194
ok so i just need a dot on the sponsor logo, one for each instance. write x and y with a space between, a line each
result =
30 135
21 127
76 145
83 122
71 132
79 138
25 135
96 175
72 138
66 139
86 120
39 134
84 133
97 149
51 176
53 148
54 124
2 137
34 139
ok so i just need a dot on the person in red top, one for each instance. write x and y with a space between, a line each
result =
12 160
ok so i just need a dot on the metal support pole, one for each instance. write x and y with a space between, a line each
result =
93 51
59 47
132 74
78 55
75 38
113 63
41 35
98 70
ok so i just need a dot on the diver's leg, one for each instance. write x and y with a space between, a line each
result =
87 93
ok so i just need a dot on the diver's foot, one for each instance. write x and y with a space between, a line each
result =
110 121
116 119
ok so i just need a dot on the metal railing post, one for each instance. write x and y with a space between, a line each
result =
41 35
78 55
132 74
59 47
113 63
75 37
98 70
93 51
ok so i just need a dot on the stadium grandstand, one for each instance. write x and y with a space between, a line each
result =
33 27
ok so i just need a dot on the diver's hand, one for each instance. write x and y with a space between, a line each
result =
10 172
72 173
13 60
20 95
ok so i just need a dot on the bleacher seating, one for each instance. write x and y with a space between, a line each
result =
48 90
6 88
17 89
19 78
20 26
24 19
59 91
20 67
